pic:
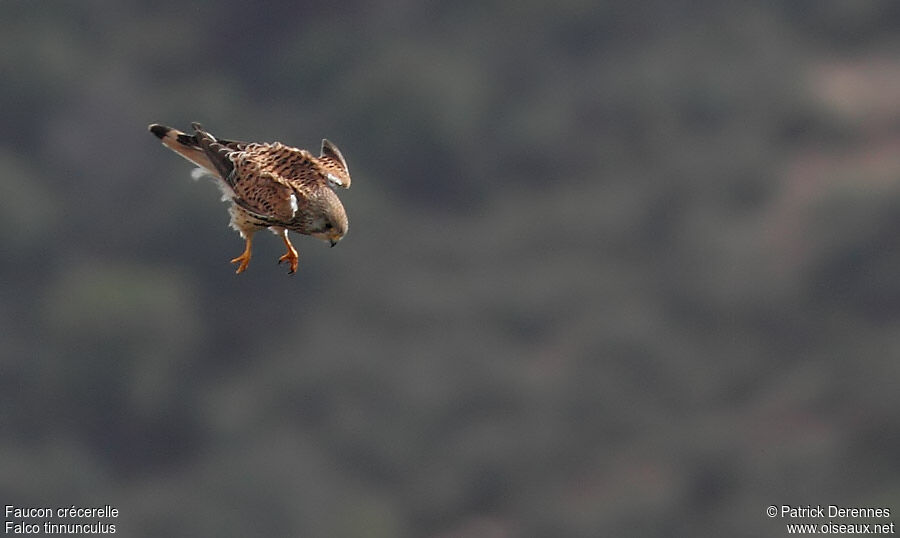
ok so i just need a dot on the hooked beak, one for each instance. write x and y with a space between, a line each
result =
333 242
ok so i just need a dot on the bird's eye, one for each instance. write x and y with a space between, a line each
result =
328 226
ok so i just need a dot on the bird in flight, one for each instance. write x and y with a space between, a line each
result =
269 185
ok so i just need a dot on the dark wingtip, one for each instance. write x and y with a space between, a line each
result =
159 130
330 150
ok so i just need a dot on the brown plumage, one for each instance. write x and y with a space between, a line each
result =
270 186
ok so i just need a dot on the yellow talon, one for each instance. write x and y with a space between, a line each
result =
243 259
291 255
293 259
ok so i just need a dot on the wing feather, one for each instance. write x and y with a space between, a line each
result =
334 164
259 183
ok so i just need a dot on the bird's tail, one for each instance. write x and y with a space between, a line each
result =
183 144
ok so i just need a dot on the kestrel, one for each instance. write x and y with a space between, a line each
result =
269 185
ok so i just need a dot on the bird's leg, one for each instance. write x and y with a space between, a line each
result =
291 255
244 258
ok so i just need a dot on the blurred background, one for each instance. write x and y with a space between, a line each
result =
614 268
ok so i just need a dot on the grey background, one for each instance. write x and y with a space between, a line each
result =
613 268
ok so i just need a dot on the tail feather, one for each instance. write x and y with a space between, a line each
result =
191 148
159 130
183 144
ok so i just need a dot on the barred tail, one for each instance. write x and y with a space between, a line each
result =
183 144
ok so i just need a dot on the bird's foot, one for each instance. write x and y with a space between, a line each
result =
292 258
243 260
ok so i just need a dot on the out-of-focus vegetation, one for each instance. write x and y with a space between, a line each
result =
614 268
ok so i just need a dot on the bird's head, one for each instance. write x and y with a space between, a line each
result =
330 223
